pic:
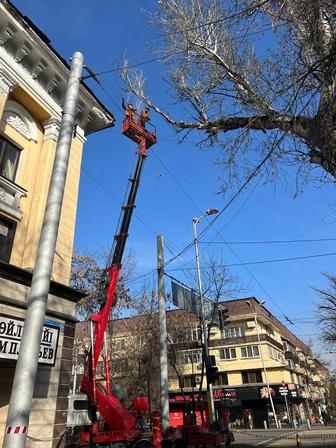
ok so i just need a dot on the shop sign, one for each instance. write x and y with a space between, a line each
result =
220 394
184 397
10 339
283 390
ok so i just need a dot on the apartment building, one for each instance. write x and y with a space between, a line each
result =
243 358
33 79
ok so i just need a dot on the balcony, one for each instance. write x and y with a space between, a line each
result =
304 365
293 356
244 340
10 197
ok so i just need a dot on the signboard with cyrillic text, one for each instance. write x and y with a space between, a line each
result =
10 338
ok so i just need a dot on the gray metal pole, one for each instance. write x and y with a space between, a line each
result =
265 371
26 366
163 337
210 400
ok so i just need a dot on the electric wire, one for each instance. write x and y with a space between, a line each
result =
165 56
246 263
239 191
137 215
313 240
223 19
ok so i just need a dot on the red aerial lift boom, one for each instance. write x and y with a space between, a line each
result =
113 425
119 423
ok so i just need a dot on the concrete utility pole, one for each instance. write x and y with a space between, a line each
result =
26 366
210 399
163 337
263 362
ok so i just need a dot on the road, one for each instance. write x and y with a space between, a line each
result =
286 438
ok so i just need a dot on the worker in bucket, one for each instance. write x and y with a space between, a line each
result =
130 110
144 117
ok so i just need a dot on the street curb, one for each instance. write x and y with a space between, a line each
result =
290 437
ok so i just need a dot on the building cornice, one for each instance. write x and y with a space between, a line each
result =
24 277
28 58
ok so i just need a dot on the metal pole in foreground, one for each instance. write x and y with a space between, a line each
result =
265 371
163 337
210 400
26 366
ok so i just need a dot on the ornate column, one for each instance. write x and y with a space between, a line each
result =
7 83
40 188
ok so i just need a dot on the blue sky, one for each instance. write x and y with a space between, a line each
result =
181 181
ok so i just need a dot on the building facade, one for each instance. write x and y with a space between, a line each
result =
298 381
33 79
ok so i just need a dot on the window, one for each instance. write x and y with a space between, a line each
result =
196 334
291 363
252 376
185 335
9 159
191 357
251 351
191 381
119 344
275 354
7 232
222 379
227 353
289 347
233 332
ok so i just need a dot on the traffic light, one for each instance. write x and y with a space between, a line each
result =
223 317
211 369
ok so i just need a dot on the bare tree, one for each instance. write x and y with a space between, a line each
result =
327 310
87 275
259 71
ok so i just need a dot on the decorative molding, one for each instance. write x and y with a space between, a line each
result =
20 119
53 83
38 68
40 71
79 133
51 129
10 197
7 33
101 115
84 119
22 51
7 82
16 122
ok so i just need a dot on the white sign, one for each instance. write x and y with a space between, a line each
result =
283 389
10 339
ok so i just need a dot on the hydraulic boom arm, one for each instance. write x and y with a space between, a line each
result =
114 413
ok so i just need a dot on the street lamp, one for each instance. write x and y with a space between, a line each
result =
262 359
210 401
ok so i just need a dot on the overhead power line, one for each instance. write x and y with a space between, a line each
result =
165 56
313 240
223 19
258 262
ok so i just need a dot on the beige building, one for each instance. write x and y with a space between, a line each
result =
241 386
33 80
